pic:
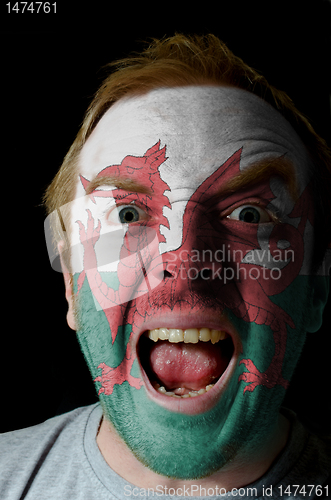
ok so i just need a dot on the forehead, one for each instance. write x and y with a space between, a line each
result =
201 126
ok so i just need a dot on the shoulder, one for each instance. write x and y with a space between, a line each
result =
17 441
317 456
308 459
44 446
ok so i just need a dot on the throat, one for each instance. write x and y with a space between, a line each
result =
184 368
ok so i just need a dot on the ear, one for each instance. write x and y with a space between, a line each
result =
320 295
68 288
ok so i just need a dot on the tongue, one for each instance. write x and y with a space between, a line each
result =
192 366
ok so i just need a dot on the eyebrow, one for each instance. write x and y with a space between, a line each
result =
261 171
119 182
252 175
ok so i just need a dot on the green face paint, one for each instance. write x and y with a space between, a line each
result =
195 253
158 436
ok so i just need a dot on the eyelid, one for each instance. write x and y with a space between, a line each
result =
119 200
272 211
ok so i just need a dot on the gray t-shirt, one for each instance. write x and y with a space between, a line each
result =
60 460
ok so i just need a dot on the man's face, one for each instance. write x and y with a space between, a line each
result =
192 287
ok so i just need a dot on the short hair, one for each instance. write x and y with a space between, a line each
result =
180 61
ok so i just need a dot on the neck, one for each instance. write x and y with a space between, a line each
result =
241 471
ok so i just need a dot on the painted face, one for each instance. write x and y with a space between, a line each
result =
192 292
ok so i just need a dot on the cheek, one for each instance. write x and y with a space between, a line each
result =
257 271
271 255
106 240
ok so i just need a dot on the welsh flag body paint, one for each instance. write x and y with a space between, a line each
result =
139 268
162 237
255 283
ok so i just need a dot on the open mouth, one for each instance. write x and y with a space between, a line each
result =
184 363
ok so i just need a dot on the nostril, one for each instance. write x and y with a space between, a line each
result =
205 273
166 274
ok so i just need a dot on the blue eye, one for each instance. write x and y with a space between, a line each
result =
128 214
250 214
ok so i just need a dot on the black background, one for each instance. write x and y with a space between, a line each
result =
50 66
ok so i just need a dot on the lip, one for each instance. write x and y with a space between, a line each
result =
208 319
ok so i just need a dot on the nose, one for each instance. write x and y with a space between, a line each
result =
196 257
191 264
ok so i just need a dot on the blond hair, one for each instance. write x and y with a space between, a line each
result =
193 60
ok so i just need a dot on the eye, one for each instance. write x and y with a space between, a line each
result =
250 214
126 214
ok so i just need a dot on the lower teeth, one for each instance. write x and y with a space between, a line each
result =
191 394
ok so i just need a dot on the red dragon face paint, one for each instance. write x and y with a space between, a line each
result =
193 296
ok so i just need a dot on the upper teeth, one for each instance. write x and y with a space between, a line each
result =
190 335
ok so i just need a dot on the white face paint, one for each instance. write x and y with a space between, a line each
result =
201 128
183 144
